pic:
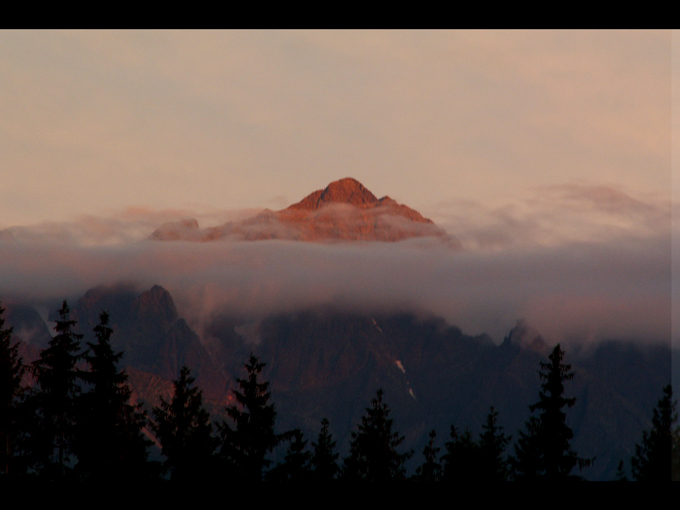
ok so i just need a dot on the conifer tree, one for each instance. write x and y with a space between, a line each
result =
544 450
558 457
248 441
675 471
11 390
431 469
373 452
324 461
492 444
110 443
55 398
527 462
184 430
653 455
296 463
462 460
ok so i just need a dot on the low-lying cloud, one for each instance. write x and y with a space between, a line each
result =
557 215
604 274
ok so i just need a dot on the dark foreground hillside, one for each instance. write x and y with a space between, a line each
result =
327 363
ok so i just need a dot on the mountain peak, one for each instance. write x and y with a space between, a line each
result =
156 301
344 191
343 211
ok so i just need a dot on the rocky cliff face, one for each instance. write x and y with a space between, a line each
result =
153 337
345 191
329 363
343 211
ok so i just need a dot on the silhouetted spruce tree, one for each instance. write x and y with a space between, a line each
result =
54 399
11 391
492 444
527 463
431 469
653 456
324 461
544 450
184 430
250 438
462 460
676 454
109 443
296 463
373 452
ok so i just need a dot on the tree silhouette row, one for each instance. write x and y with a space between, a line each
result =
76 421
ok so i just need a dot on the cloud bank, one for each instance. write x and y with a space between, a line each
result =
576 262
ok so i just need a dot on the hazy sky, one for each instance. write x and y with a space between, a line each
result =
547 153
93 122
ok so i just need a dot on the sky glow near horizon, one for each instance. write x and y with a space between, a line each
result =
546 153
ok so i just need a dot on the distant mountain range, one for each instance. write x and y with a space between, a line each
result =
343 211
329 363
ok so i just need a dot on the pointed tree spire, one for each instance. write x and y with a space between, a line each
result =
545 448
653 459
527 461
110 443
461 462
431 469
250 438
11 390
296 462
55 397
373 451
184 430
324 460
492 444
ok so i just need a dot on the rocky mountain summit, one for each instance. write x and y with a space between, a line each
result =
346 191
343 211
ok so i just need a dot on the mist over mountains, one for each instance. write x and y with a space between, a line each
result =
342 292
607 276
328 362
343 211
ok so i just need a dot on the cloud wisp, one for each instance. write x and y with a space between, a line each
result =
598 269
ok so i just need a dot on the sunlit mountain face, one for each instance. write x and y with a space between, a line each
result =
343 211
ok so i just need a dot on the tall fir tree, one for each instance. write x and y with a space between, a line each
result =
11 391
675 440
462 460
653 459
249 440
527 463
544 450
184 430
55 397
431 469
373 452
110 443
492 444
324 461
296 462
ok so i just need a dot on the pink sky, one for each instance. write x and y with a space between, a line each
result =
93 122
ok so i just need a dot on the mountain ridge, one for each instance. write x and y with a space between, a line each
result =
347 190
328 363
345 210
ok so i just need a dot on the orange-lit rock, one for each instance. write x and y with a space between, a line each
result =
343 211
